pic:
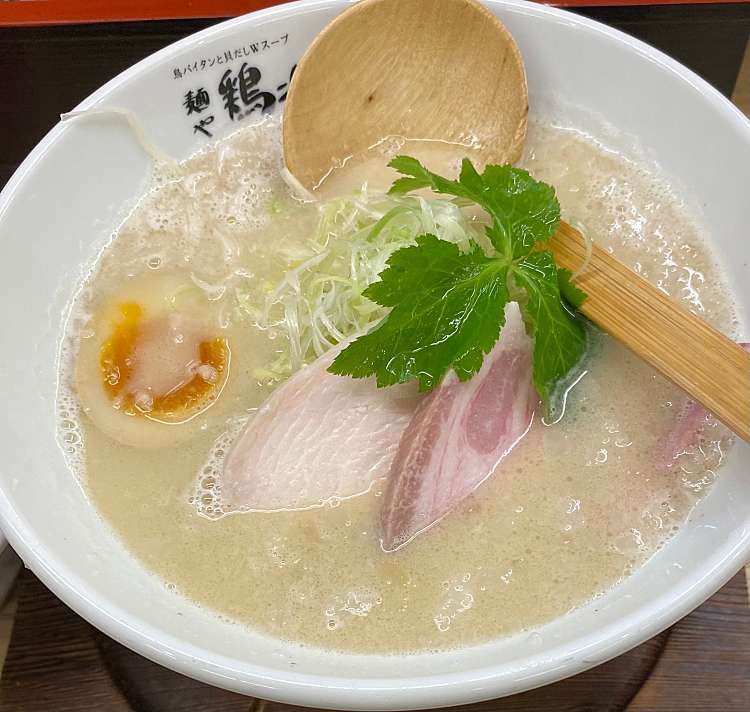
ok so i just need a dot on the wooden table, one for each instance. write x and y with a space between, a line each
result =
58 663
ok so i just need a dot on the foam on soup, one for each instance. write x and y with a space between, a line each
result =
571 512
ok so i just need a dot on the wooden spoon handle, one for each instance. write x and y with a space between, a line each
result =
711 368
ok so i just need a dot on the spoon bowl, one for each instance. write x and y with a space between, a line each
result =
446 70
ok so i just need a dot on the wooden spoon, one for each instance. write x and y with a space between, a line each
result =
399 68
449 70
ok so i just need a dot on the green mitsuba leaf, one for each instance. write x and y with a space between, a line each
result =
572 294
447 307
449 318
523 210
559 336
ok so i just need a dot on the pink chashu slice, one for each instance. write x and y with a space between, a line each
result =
316 438
685 433
458 436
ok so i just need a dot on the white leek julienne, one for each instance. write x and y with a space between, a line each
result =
319 301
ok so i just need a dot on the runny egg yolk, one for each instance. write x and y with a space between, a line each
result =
163 369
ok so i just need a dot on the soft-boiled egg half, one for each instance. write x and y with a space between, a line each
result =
151 358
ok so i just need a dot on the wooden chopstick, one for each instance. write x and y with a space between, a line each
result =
709 367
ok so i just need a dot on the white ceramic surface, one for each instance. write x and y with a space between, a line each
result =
74 187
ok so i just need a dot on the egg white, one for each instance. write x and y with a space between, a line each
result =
163 298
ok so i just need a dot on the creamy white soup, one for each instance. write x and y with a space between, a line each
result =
182 331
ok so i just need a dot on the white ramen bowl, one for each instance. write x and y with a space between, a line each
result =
74 188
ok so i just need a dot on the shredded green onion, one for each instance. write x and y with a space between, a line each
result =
319 301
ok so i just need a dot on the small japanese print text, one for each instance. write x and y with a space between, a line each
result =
229 55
